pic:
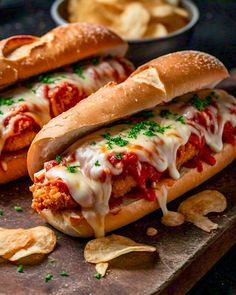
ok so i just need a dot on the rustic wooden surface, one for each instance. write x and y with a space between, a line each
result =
185 253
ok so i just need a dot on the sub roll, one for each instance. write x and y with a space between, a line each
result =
133 147
83 57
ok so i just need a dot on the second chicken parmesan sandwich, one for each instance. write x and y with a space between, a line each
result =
71 62
131 148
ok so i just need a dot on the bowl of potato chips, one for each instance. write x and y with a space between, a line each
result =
151 27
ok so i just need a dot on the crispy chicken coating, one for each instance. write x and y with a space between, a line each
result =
50 197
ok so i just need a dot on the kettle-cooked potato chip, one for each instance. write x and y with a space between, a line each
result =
107 248
44 241
12 240
133 21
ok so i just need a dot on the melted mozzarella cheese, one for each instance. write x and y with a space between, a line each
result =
159 150
90 79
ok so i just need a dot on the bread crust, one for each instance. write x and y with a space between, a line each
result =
158 81
13 166
24 56
68 222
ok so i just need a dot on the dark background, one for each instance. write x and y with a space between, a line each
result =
215 34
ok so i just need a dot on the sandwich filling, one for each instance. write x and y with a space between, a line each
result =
27 107
125 161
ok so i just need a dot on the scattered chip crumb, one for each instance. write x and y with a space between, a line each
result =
151 231
101 268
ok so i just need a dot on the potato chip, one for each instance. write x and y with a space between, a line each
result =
31 259
162 11
44 241
101 268
13 240
133 21
196 207
181 12
107 248
156 31
173 2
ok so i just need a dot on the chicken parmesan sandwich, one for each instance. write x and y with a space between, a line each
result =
71 62
131 148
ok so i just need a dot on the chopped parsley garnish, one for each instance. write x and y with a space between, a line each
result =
150 127
50 79
201 104
134 131
97 164
58 159
165 113
48 278
18 209
78 70
119 156
149 133
20 268
93 143
180 119
95 61
8 101
119 141
98 276
115 140
64 274
1 212
71 169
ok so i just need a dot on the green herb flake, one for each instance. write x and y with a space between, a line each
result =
18 209
149 133
97 164
20 268
71 169
1 212
119 141
64 274
201 104
48 278
98 276
21 99
58 159
78 70
119 156
165 113
6 101
50 79
107 136
93 143
95 61
180 119
1 113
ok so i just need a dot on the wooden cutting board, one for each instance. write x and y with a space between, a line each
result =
185 253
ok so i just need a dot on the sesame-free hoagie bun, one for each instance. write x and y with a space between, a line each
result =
74 224
84 57
24 56
156 82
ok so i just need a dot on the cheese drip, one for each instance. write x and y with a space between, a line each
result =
87 78
159 149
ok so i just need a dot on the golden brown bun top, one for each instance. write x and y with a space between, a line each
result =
158 81
24 56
